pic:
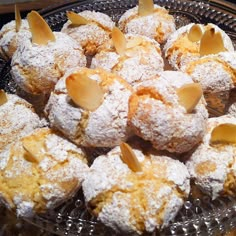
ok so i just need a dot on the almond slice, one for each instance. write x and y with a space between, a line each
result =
41 32
34 149
134 52
224 133
76 19
189 95
211 43
17 18
145 7
129 158
3 97
119 40
195 33
84 91
131 43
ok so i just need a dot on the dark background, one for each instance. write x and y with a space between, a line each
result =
4 18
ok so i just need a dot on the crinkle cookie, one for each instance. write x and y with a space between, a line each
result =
92 32
183 46
40 171
212 165
134 202
103 126
217 76
10 39
141 59
157 25
36 68
17 119
158 114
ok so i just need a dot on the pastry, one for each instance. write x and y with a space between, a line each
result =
133 192
192 41
12 35
39 63
138 60
39 172
148 19
89 28
169 111
217 76
17 119
90 107
212 165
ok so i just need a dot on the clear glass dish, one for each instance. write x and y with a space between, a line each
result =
197 217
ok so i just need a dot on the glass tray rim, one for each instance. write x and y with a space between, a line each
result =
56 13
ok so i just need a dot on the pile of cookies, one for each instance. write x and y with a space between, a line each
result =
105 85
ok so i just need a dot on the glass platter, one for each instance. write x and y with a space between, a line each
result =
197 217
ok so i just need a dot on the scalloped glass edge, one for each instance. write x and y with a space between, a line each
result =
196 217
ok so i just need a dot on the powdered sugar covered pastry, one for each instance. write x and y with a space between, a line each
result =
91 34
39 172
183 47
156 113
217 76
104 126
158 25
10 39
141 60
36 68
215 73
212 165
17 119
136 202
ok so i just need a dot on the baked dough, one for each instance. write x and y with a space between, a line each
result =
10 39
158 25
40 171
136 202
156 115
90 36
142 59
106 126
37 68
17 119
213 167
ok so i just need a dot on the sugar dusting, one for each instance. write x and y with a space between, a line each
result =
108 174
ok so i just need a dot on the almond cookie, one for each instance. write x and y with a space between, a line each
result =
39 172
12 35
133 192
169 111
17 119
155 23
89 28
90 107
192 41
40 62
217 76
138 60
212 165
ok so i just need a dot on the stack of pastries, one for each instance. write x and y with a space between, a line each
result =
125 101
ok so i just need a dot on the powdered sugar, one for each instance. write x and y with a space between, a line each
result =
212 181
164 121
180 51
213 72
17 119
156 185
106 126
139 63
36 68
37 186
158 25
10 39
92 34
